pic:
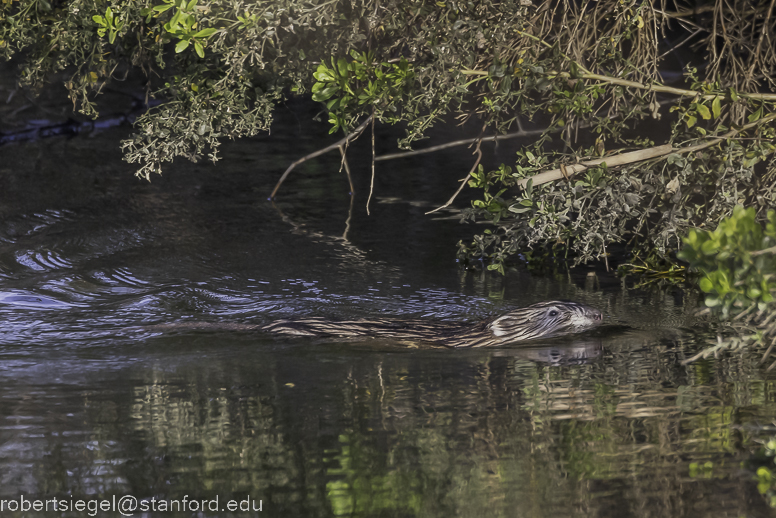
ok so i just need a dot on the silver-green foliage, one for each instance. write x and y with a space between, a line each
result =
224 64
220 66
649 207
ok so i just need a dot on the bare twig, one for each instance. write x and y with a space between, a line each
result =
654 87
372 183
356 132
673 48
661 88
684 14
463 180
343 150
455 143
698 10
763 35
729 134
771 250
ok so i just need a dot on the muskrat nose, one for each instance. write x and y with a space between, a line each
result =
597 315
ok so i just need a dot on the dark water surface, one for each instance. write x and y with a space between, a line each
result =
94 404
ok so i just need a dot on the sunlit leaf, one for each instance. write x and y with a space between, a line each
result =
206 33
716 107
182 45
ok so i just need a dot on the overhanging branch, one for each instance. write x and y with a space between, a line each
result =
634 156
356 132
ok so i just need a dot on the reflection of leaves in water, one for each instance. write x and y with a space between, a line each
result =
325 429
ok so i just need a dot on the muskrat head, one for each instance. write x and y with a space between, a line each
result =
544 320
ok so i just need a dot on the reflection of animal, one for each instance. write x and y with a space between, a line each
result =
542 320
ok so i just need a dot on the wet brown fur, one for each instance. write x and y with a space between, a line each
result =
542 320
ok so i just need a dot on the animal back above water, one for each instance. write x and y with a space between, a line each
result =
542 320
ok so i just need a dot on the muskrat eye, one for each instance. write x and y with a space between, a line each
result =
553 312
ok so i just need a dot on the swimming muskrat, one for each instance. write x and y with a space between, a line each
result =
542 320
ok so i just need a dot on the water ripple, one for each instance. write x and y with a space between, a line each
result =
25 225
32 300
44 260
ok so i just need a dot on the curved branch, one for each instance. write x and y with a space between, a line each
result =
463 180
372 183
464 142
356 132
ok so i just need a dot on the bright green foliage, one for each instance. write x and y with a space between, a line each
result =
738 266
182 26
736 272
348 86
108 23
766 479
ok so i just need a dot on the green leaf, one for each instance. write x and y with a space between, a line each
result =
518 210
162 8
325 93
716 107
198 48
182 45
333 104
188 21
574 70
173 23
710 247
323 73
206 33
753 293
756 115
703 111
690 121
342 67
